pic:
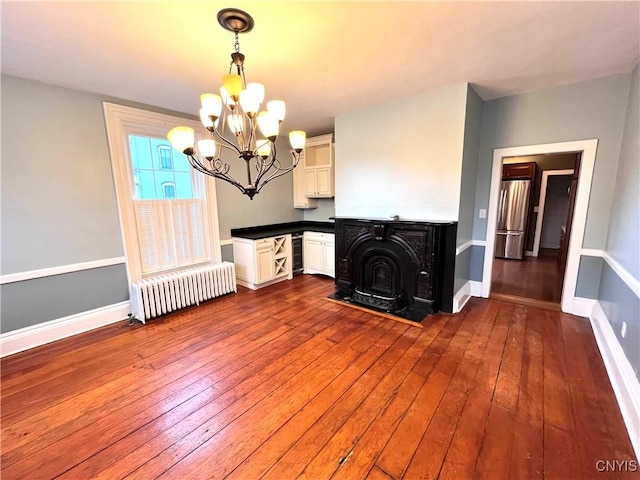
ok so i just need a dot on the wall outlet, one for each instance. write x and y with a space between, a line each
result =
623 330
482 213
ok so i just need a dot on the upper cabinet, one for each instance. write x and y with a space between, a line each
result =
519 170
316 172
300 199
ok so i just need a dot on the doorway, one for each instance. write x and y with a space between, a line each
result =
576 218
536 200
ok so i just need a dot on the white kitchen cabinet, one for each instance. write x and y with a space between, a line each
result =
319 253
316 175
262 262
300 199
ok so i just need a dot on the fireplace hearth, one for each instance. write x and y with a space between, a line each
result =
403 268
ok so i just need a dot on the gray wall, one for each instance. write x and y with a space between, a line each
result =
49 298
469 166
467 185
326 208
618 301
580 111
58 199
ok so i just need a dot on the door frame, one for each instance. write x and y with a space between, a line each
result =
541 203
588 149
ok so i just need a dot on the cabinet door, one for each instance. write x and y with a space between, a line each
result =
324 182
314 256
264 263
519 170
310 175
330 259
300 199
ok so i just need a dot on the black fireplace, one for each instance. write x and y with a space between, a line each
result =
404 268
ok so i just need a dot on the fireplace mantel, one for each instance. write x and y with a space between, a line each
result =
401 267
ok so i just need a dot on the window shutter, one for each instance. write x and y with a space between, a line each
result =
165 236
181 225
145 220
199 250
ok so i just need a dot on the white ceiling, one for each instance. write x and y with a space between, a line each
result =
324 58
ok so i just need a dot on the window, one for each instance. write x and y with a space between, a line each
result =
165 157
169 189
168 211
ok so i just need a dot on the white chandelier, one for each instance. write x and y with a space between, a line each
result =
238 106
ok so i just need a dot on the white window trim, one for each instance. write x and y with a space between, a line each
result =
121 122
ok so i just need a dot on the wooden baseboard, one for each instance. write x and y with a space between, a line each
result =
530 302
374 312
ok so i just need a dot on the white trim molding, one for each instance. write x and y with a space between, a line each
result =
36 335
541 204
48 272
588 150
462 296
464 247
582 307
469 244
632 282
623 379
592 252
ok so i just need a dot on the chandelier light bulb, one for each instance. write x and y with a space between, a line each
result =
249 102
258 91
226 99
233 85
211 104
277 108
182 139
269 125
264 148
236 123
207 149
297 139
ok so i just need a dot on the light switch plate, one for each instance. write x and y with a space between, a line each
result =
623 330
482 213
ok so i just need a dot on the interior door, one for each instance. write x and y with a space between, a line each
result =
564 245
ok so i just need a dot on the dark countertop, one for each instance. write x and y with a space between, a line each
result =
264 231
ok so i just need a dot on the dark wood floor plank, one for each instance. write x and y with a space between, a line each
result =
527 457
258 378
87 407
397 454
449 440
182 395
271 450
507 386
557 394
322 367
279 382
351 410
494 460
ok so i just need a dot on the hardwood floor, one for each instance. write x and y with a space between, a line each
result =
281 383
536 278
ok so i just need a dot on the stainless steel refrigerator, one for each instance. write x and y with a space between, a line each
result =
512 218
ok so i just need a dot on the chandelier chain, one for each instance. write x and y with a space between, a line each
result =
237 43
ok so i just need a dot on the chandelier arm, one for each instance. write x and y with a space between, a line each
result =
217 173
227 143
281 172
263 171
